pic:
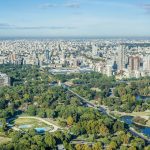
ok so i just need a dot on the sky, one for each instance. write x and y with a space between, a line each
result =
74 18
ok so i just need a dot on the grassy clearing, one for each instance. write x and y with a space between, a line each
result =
31 121
96 89
148 123
4 140
135 114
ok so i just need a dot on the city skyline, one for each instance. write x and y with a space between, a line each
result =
83 18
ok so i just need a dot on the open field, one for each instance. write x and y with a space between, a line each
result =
36 122
4 140
148 123
96 89
31 123
134 114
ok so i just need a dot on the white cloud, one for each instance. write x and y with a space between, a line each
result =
67 5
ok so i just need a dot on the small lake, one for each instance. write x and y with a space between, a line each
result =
25 126
38 130
128 120
138 97
42 130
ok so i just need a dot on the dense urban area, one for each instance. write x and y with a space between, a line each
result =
122 58
91 94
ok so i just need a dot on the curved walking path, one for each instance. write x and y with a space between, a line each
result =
55 127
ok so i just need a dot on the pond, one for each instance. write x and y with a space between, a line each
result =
138 97
42 130
129 120
25 126
38 129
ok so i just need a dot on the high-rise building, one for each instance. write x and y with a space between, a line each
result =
146 63
121 58
134 63
94 49
109 70
47 54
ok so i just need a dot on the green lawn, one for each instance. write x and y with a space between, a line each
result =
4 140
34 123
96 89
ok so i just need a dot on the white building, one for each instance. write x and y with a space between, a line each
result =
146 63
121 60
4 80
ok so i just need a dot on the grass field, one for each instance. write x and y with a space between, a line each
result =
96 89
4 140
148 123
34 123
135 114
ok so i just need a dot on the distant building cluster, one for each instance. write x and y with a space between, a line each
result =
132 64
4 80
122 58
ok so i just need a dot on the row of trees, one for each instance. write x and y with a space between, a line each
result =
125 93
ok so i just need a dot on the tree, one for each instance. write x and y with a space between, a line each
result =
3 125
26 97
38 139
86 147
49 140
104 130
70 121
125 138
147 148
78 147
31 110
132 148
74 101
42 113
2 104
112 145
138 142
118 126
123 148
97 146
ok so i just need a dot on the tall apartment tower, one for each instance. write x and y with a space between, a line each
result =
121 60
47 54
134 63
146 63
94 49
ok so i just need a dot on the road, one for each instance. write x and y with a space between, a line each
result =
102 109
106 111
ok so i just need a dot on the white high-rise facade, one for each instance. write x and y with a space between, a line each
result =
146 63
121 60
94 49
